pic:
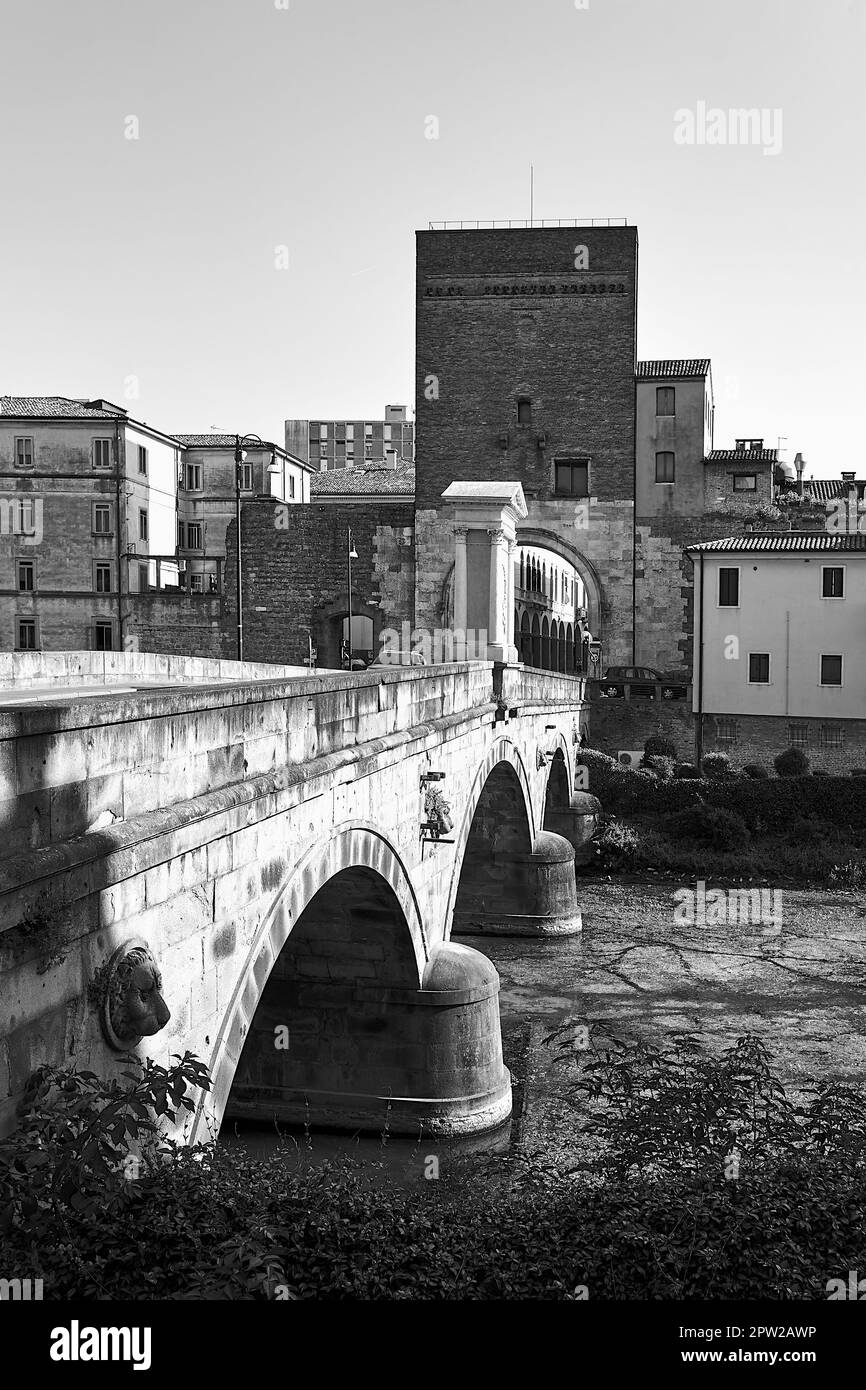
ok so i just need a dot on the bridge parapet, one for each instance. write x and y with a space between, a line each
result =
76 764
528 688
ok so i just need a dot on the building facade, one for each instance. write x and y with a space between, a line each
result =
112 533
327 444
779 654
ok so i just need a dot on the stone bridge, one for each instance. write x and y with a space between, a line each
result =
269 847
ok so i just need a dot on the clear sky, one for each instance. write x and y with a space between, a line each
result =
262 126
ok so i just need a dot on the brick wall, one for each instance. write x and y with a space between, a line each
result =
616 724
179 624
760 738
295 581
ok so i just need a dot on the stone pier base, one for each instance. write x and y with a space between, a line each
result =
529 895
366 1056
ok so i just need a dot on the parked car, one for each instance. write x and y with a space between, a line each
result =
643 681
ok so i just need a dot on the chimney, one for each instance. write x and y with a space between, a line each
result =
799 464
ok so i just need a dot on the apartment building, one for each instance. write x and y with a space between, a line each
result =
327 444
780 659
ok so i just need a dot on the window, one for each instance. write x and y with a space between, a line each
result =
798 735
368 431
833 581
323 433
832 736
196 583
102 453
759 668
386 434
524 410
571 478
193 535
247 477
142 524
24 452
102 571
745 482
26 637
831 670
142 459
102 518
143 579
350 432
666 400
368 451
350 448
291 487
103 637
181 535
26 576
726 731
193 477
729 588
664 468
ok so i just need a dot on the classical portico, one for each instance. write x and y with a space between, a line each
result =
485 517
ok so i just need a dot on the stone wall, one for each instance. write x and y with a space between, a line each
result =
618 723
760 738
180 624
295 573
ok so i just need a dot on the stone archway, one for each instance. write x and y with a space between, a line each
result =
550 540
327 623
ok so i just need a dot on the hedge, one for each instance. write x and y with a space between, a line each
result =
766 805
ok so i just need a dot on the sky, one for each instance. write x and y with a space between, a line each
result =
210 207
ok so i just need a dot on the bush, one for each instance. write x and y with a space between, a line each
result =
687 772
658 746
661 766
755 771
716 766
711 825
792 763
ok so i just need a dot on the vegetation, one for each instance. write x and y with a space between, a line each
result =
703 1179
657 746
792 763
716 766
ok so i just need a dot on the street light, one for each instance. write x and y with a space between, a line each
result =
240 456
351 554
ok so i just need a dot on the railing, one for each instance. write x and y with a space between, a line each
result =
638 690
464 225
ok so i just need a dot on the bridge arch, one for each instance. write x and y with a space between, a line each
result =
503 754
550 540
354 846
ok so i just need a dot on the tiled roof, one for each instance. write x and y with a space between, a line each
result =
54 407
220 441
673 367
826 489
784 541
368 482
741 456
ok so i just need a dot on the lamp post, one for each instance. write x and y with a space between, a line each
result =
240 456
351 554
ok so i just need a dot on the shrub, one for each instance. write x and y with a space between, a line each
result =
687 772
755 771
658 746
661 766
711 825
716 766
792 763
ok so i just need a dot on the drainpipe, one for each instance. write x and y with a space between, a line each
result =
787 660
699 728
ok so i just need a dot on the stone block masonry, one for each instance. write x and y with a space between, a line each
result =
831 745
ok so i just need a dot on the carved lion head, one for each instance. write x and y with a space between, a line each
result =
135 1007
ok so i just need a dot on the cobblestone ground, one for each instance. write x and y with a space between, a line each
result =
639 974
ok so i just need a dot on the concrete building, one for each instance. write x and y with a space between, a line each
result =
779 654
112 533
89 494
327 444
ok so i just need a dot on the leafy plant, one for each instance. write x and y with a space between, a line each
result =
716 766
793 762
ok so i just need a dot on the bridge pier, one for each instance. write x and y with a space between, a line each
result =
577 823
344 1038
522 894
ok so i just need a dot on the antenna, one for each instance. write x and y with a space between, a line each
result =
531 192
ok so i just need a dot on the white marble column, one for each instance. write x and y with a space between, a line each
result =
460 595
497 634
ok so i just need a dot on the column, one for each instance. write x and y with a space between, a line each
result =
460 592
497 627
